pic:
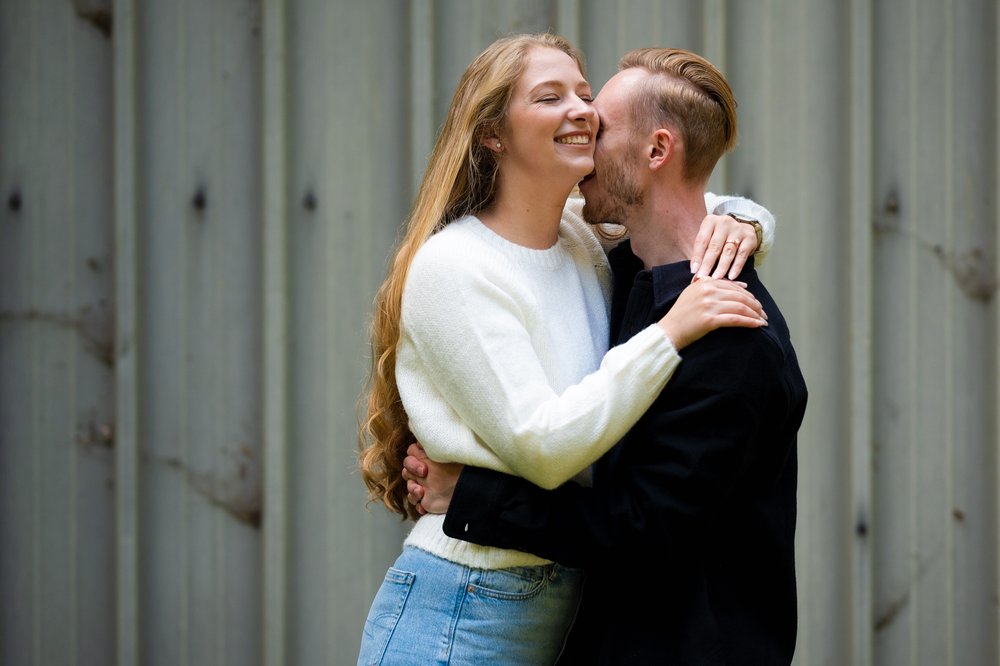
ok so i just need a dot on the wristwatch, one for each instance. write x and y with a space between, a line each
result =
759 230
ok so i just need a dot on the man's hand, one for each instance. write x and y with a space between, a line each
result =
429 484
724 240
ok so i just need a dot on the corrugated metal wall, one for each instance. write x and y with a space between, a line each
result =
198 198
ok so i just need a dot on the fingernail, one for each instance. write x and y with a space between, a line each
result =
694 266
742 284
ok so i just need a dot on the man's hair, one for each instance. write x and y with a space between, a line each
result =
690 94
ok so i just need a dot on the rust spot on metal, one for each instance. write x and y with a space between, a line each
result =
887 219
95 436
892 204
99 17
94 325
861 523
974 271
891 612
236 488
309 201
200 199
959 514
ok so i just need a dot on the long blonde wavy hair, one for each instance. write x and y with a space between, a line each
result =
460 179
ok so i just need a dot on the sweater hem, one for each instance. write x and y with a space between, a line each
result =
428 534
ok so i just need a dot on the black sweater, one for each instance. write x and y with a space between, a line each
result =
692 514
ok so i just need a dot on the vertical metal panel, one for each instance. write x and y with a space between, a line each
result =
935 304
568 19
806 180
55 366
936 432
349 163
92 208
466 28
163 425
609 29
127 343
893 374
859 314
993 528
423 123
52 256
17 352
970 204
275 354
199 392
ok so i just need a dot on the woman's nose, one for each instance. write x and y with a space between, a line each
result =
584 111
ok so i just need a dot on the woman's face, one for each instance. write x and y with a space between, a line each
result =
551 122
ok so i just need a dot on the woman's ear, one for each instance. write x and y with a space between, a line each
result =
492 143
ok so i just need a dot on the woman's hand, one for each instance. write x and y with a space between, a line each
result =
723 243
429 484
708 304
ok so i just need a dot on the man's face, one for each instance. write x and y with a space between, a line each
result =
614 188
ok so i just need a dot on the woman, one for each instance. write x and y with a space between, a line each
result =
490 348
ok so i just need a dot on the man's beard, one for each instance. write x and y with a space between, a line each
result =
621 194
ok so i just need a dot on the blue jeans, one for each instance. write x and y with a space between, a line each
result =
432 611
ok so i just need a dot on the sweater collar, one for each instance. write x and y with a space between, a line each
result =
669 280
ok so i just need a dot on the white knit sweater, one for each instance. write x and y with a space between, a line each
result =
503 360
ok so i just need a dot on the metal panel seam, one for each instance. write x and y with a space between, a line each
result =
275 380
861 322
126 336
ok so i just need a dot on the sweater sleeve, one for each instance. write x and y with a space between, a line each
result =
680 464
465 342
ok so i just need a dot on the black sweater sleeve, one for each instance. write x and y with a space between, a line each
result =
700 440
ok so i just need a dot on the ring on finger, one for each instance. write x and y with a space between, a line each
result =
731 241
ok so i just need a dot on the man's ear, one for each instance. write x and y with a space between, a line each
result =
662 148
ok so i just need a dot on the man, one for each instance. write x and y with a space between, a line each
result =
687 535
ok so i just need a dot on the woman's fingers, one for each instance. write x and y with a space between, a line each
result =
713 251
726 256
705 232
740 260
722 247
415 495
414 492
414 468
726 295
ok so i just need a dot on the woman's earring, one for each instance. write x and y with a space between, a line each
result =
499 145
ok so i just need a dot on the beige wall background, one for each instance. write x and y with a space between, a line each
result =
197 198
